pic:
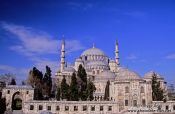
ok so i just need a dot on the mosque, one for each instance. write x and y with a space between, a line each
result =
127 88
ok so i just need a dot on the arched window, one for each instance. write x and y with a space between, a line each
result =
143 102
127 89
142 90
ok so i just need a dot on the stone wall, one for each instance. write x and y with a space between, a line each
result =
71 107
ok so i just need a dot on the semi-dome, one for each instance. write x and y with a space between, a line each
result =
93 51
106 75
126 74
150 74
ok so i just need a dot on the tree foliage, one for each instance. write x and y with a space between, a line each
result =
106 96
58 93
90 90
74 88
35 80
2 105
64 89
47 83
13 81
83 82
157 92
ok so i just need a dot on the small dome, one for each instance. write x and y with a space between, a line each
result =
93 51
150 74
126 74
106 75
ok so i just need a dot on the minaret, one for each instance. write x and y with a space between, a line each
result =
62 56
117 54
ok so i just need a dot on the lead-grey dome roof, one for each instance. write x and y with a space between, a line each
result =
126 74
106 75
93 51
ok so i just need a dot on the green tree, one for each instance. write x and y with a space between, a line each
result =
64 89
157 92
2 104
58 93
90 90
74 88
47 83
106 96
13 82
35 80
83 82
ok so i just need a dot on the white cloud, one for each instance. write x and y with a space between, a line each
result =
37 42
34 44
20 73
132 57
171 56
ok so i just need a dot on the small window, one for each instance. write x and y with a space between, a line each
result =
142 90
57 108
167 107
174 107
27 92
84 108
92 108
126 102
101 108
98 72
75 108
40 107
135 103
93 72
109 108
48 107
66 108
85 58
31 107
126 89
8 91
143 102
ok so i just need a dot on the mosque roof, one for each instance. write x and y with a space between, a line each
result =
93 51
126 74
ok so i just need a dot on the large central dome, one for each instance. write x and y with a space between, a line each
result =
93 51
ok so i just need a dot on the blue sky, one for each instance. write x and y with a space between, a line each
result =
31 31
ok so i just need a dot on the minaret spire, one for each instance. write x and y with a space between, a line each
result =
62 55
117 54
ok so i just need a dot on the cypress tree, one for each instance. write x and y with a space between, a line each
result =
13 82
83 82
35 80
58 93
47 83
74 88
157 92
64 89
106 96
90 90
